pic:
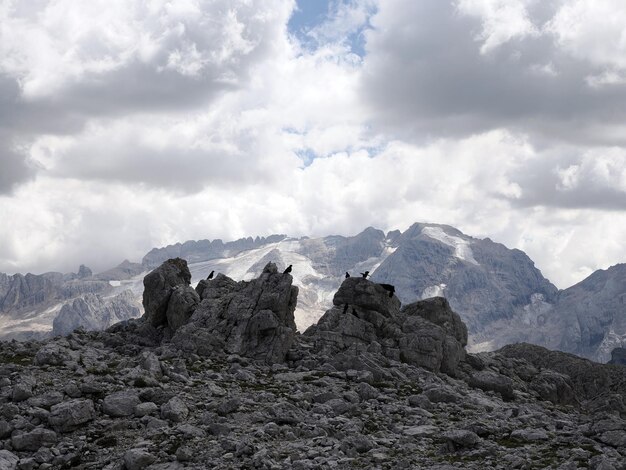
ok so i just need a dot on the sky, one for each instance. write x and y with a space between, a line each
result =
130 124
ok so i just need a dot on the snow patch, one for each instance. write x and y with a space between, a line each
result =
433 291
461 246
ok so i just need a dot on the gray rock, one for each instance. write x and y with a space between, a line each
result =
488 380
554 387
158 287
252 319
93 312
174 410
69 415
372 317
120 403
461 438
181 306
138 459
33 440
55 355
8 460
529 435
22 391
144 409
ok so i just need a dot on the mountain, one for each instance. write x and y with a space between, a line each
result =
30 303
228 383
499 293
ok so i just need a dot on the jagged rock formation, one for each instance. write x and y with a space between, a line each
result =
483 280
366 319
169 282
93 312
498 292
204 250
129 398
252 319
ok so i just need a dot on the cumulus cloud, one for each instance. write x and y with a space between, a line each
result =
454 68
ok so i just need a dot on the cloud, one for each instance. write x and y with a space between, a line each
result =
455 68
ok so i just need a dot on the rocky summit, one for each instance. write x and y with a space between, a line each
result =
218 377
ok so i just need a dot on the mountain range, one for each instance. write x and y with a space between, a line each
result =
498 292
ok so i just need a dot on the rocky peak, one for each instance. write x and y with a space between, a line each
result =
365 318
159 286
83 272
250 318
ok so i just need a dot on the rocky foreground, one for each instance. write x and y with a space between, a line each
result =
217 377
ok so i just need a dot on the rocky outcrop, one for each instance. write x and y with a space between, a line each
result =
364 389
93 312
600 383
366 319
253 319
159 285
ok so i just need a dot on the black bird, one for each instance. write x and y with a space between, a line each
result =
288 270
354 312
210 275
347 274
345 309
365 274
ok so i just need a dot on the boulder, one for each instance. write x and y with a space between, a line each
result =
120 403
8 460
488 380
365 318
248 318
33 440
69 415
158 287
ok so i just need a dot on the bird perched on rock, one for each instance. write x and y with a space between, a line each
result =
210 275
347 274
288 270
345 308
365 274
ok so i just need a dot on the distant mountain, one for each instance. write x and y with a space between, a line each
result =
499 293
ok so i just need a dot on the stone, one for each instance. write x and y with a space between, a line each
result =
529 435
144 409
138 459
55 355
249 318
33 440
120 403
69 415
8 460
488 380
461 438
182 304
174 410
158 287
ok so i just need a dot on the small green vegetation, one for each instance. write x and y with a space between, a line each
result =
18 359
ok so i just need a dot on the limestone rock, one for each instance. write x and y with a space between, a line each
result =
33 440
488 380
182 303
158 287
253 319
364 318
69 415
8 460
120 403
